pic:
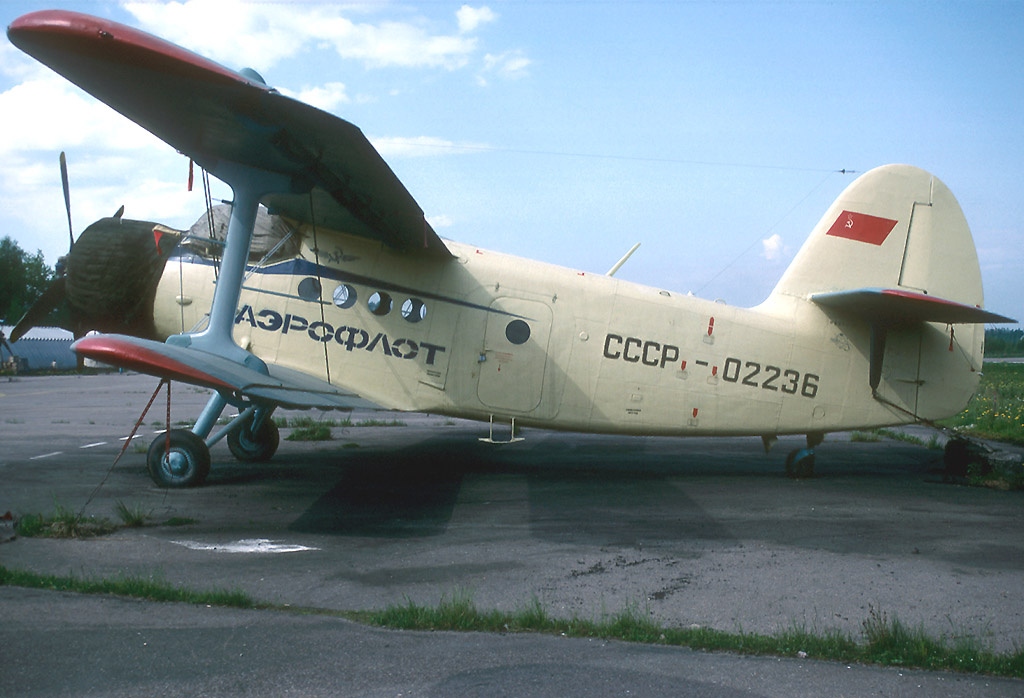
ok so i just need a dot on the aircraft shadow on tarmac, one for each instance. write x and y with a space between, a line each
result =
593 490
581 494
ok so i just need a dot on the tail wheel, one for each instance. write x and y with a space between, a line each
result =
800 464
254 447
178 459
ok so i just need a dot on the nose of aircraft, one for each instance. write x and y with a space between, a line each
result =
110 279
112 275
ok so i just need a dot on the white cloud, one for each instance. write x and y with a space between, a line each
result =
37 110
260 35
238 34
510 65
772 248
327 97
440 221
470 18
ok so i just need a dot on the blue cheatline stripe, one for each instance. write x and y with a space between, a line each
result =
302 267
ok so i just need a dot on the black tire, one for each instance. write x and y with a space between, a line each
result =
800 464
254 448
185 463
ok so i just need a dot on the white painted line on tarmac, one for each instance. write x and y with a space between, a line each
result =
125 438
98 443
46 455
259 546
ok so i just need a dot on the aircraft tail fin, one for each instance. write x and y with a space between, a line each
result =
893 262
895 227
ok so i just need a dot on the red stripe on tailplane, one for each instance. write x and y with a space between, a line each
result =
131 354
896 305
862 227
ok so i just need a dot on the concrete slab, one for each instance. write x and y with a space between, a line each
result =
701 531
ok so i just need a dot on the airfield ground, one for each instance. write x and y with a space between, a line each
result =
694 532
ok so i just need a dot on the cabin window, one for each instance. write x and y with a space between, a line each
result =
414 310
517 332
309 289
344 296
379 303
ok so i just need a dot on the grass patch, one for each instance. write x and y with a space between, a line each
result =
131 587
132 516
897 435
63 523
380 423
179 521
997 409
865 437
317 432
884 641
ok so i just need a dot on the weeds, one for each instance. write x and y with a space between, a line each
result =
63 523
380 423
179 521
884 641
132 516
997 410
317 432
132 587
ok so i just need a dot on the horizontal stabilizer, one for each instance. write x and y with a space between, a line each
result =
283 386
893 305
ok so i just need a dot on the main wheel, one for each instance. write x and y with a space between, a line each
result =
251 447
178 459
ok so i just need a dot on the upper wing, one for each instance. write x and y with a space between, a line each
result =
214 114
282 387
900 305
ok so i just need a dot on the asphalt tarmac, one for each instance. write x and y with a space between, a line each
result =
702 532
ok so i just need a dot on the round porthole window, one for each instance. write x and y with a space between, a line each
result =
414 310
379 303
517 332
344 296
309 289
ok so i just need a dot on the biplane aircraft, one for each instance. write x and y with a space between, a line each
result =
878 320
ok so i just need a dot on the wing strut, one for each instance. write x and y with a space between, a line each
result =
248 186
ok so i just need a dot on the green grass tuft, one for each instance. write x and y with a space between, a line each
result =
179 521
317 432
132 516
132 587
380 423
63 523
885 641
997 410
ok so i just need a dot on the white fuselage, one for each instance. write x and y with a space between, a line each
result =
490 335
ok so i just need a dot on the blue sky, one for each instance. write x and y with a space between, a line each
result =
710 132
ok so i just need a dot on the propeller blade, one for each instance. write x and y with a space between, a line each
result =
67 195
51 298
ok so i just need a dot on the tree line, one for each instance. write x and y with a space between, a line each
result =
23 278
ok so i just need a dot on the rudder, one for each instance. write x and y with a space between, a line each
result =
895 227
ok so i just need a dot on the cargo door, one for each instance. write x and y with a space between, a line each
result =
514 357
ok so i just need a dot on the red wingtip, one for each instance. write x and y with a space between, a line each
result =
57 37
